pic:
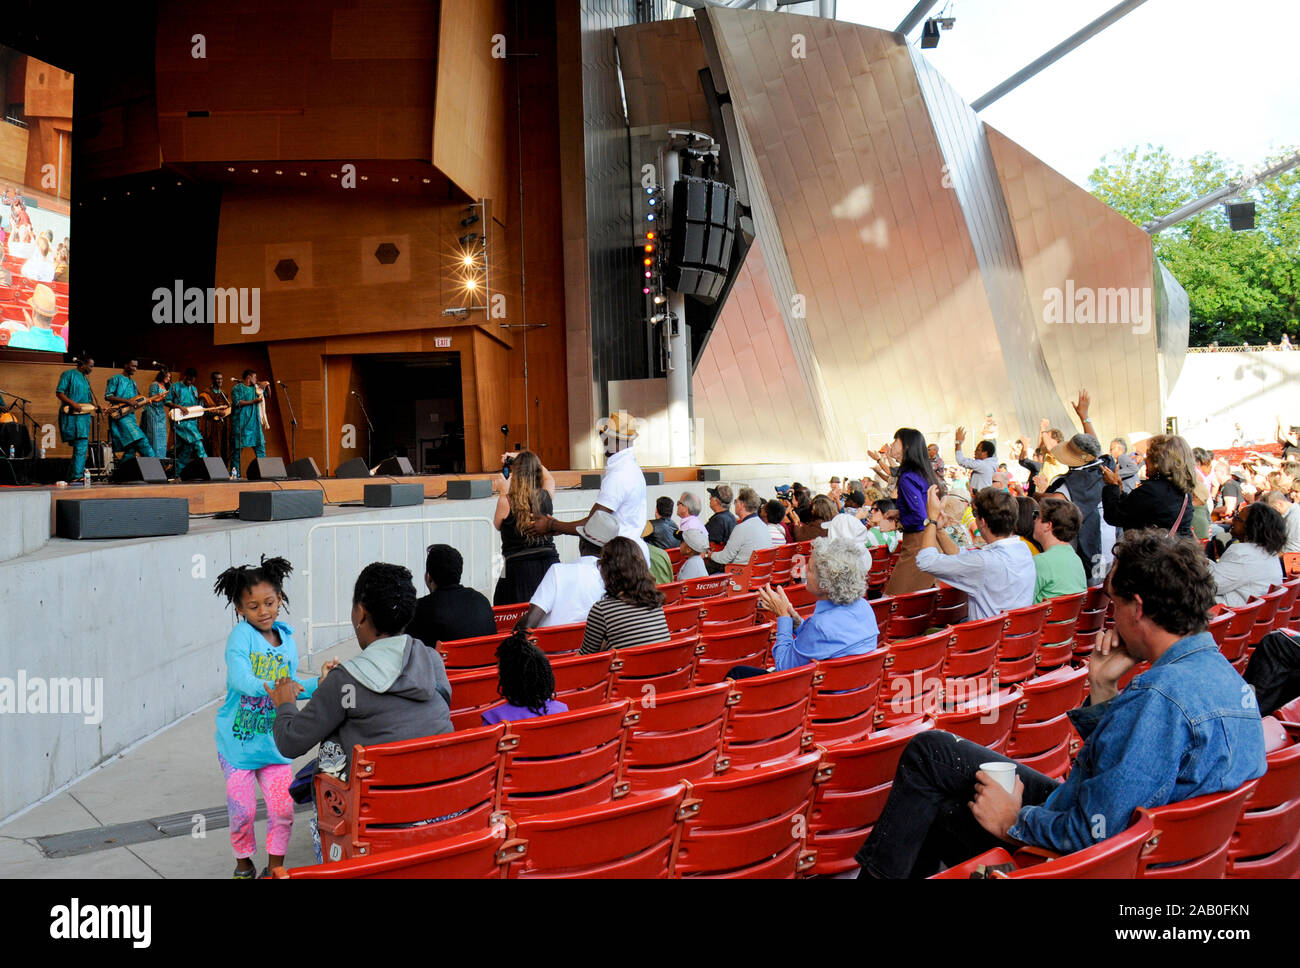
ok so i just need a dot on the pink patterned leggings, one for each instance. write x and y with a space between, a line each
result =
241 802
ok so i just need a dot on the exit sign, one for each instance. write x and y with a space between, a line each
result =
442 342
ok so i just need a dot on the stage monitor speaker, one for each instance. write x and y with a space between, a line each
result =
703 232
266 469
591 482
51 470
122 517
280 505
395 467
393 495
140 469
356 467
653 477
207 469
710 474
468 490
14 472
304 469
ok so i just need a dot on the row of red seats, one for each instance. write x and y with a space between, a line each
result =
1238 630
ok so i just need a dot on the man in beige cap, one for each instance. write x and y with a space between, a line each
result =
39 334
622 491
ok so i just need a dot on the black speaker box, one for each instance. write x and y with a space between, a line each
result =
653 477
304 469
703 232
207 469
14 471
393 495
356 467
591 482
122 517
51 470
710 474
468 490
136 469
267 469
395 467
280 505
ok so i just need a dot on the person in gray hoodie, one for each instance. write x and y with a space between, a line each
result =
395 689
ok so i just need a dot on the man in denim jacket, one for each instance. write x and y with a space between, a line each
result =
1187 727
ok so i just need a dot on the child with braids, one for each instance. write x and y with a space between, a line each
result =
525 681
259 652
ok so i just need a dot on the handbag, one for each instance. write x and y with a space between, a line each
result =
1179 519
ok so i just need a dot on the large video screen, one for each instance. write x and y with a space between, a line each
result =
35 202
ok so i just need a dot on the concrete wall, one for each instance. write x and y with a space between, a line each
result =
24 524
1220 397
141 615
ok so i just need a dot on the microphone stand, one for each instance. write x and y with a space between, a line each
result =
293 421
370 428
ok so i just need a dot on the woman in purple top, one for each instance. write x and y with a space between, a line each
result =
526 682
915 475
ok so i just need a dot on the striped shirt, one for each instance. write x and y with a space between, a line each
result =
614 624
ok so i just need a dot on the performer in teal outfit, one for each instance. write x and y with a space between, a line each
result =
189 442
74 428
153 418
247 417
126 433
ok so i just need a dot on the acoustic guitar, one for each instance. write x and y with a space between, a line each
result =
122 409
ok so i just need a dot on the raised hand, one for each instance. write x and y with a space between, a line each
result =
1081 406
959 435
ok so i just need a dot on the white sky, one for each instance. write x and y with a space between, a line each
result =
1191 75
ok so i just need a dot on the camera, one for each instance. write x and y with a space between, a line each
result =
505 467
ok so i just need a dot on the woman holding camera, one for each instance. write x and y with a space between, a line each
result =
526 494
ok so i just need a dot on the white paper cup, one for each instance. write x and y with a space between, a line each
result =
1003 773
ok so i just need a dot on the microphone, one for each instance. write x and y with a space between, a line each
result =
282 383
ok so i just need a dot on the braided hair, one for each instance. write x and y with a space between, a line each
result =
524 676
237 579
388 594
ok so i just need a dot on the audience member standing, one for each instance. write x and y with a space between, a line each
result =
527 494
982 466
1164 501
1082 484
916 477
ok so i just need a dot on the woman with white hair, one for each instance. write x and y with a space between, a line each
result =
843 622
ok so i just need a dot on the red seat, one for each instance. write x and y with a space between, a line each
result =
1290 713
756 573
672 592
480 855
1065 608
737 609
565 760
1240 629
678 737
985 721
910 614
642 670
1218 627
751 824
710 587
1286 610
674 557
452 779
472 653
950 607
783 564
878 575
1266 617
507 615
682 617
849 802
1041 733
1022 631
843 706
1266 841
559 639
473 692
883 608
1056 646
799 596
724 650
635 837
913 678
1115 858
770 720
1193 836
582 680
973 650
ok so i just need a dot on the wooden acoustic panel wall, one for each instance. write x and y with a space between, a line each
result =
296 79
469 130
661 64
1071 242
48 107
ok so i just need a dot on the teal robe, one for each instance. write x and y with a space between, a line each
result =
125 430
182 396
247 421
74 385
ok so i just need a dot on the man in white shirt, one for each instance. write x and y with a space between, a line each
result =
749 535
984 464
622 492
1281 502
569 589
997 577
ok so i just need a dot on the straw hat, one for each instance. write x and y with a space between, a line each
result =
42 301
620 424
1078 450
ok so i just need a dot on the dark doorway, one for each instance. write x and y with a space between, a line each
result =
414 400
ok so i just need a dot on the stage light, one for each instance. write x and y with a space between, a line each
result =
425 180
468 260
647 275
334 174
652 201
254 171
230 169
930 34
471 284
279 172
649 248
659 300
468 220
468 238
646 291
365 178
650 217
303 174
394 178
648 261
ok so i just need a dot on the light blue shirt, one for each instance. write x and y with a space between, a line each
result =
996 578
1186 727
830 632
981 470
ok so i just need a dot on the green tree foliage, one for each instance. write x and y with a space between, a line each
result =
1243 287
